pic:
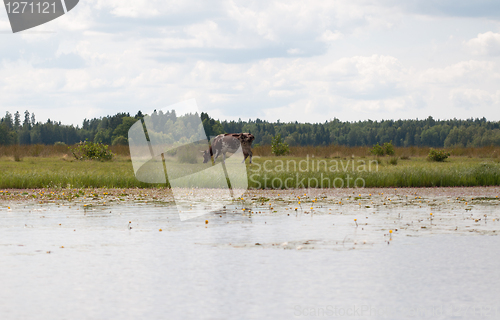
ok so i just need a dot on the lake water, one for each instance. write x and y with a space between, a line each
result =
58 262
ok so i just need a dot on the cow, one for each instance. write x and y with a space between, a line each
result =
229 142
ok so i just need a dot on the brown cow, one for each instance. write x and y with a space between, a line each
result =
230 142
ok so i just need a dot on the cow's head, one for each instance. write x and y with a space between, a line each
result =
206 156
247 138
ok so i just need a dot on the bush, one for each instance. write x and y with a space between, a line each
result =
59 143
389 148
393 161
380 151
92 151
119 141
377 150
438 155
279 147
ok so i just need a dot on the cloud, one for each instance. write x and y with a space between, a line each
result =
64 61
469 98
485 44
153 8
368 77
471 72
328 36
451 8
287 60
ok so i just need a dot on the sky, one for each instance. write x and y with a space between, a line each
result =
274 60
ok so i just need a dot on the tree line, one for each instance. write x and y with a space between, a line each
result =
17 129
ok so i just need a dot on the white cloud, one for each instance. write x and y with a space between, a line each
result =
287 60
485 44
471 71
329 36
294 51
281 93
369 76
146 8
450 8
469 98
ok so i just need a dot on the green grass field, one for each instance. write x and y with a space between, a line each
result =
36 172
364 172
349 168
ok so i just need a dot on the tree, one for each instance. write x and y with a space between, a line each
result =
212 127
24 136
5 135
17 120
26 123
123 128
139 115
278 147
427 132
377 150
8 120
120 141
266 139
389 148
438 155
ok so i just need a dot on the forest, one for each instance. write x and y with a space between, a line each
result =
113 130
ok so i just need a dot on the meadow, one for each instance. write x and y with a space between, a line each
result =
38 166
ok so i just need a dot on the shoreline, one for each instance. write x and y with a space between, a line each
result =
110 196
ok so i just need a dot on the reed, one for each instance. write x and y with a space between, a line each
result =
279 174
336 151
334 166
43 151
332 151
56 172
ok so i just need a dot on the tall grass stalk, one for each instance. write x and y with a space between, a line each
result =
58 171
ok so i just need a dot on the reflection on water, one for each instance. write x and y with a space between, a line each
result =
59 262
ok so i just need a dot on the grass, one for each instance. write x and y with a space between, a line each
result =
45 172
53 166
38 150
332 151
335 151
416 172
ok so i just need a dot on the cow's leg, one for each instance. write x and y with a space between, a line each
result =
224 157
245 156
216 155
251 155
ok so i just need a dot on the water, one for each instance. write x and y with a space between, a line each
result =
279 265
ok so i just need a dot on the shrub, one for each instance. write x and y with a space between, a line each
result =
279 147
17 154
59 143
377 150
393 161
119 141
92 151
438 155
389 148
